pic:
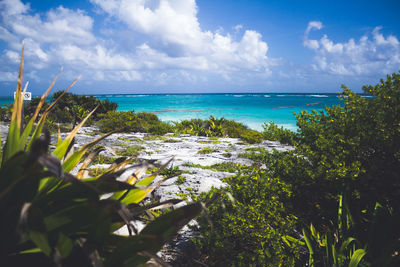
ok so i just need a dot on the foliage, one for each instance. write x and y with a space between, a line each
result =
214 127
248 223
274 133
347 156
252 137
5 113
337 248
171 172
53 218
223 166
131 151
356 146
180 180
72 108
206 150
129 121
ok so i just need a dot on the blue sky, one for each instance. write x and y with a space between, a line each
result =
203 46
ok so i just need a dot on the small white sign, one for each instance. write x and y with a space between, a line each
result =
26 95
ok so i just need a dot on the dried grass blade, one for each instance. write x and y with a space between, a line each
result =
38 130
74 159
14 133
84 171
45 95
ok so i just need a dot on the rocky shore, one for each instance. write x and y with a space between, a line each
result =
193 155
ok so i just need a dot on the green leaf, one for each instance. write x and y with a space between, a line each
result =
41 240
64 245
62 149
12 145
293 240
308 240
70 163
152 237
357 257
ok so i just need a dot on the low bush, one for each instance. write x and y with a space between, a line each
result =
180 180
129 121
214 127
131 151
249 229
206 150
274 133
5 114
71 108
251 137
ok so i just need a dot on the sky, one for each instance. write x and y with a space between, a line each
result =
203 46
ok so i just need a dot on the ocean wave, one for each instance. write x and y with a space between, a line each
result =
281 95
238 95
136 95
317 95
267 96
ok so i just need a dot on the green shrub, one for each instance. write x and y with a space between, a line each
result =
248 230
171 172
180 180
71 108
131 151
274 133
129 121
251 137
214 127
206 150
5 113
223 166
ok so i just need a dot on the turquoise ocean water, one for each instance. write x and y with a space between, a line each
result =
250 109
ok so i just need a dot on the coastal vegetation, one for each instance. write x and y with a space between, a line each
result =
51 216
334 198
332 201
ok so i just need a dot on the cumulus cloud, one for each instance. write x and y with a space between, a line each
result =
378 54
173 26
60 37
171 40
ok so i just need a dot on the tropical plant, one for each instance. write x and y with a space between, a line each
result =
249 223
52 217
337 246
214 127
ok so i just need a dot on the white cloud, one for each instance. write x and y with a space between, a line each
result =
60 37
6 76
173 26
173 42
379 54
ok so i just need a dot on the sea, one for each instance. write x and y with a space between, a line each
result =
251 109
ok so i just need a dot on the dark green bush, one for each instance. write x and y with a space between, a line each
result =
4 114
129 121
344 178
72 108
250 230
